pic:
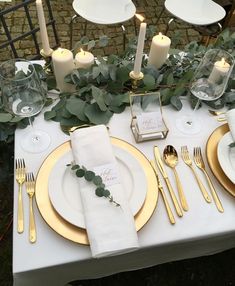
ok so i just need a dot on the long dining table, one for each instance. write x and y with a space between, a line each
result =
54 260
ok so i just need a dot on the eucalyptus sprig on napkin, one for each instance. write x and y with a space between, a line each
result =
90 176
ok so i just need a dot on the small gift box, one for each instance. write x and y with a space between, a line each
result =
147 118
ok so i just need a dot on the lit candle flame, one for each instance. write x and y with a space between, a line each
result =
223 61
139 17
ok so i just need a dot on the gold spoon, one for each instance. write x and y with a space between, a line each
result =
171 159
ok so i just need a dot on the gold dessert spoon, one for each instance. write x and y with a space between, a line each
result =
171 159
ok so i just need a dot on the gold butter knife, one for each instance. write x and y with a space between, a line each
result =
165 176
160 188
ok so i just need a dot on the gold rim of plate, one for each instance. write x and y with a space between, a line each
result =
212 158
74 233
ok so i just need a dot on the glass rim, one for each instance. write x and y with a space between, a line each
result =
17 60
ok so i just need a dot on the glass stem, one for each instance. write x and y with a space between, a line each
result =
34 135
189 122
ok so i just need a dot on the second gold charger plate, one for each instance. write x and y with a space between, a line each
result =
211 152
76 234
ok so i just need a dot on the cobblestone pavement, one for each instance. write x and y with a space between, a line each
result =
63 11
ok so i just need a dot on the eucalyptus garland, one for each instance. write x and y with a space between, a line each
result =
103 89
91 177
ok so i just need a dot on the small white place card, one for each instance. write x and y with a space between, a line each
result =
149 122
109 174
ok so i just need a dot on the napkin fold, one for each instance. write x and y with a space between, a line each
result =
230 115
111 229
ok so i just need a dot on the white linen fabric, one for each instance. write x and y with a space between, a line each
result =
231 122
110 229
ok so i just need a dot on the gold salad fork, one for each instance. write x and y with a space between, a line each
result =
198 159
186 158
20 178
30 189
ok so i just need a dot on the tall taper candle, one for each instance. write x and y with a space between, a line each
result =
139 50
43 29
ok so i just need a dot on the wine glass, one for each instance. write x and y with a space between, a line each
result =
208 83
24 95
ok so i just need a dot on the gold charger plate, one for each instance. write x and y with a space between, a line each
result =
211 152
76 234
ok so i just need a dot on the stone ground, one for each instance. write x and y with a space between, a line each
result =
63 11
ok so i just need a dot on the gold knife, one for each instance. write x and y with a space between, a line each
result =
165 176
160 188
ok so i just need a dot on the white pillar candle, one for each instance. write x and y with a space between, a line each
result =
159 50
63 65
139 50
84 59
43 29
219 70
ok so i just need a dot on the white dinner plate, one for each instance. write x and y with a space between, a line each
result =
226 156
63 186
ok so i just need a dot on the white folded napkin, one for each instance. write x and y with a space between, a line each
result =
111 230
231 122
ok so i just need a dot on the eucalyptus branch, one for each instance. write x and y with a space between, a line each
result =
90 176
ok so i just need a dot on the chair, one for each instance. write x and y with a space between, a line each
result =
12 39
194 12
104 12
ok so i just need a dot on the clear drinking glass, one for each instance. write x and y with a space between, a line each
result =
23 95
209 83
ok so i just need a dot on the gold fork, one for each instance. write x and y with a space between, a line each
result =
20 178
30 189
198 159
186 158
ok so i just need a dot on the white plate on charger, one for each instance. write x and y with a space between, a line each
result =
226 156
63 186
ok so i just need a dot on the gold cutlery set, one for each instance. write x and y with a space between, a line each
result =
28 179
170 157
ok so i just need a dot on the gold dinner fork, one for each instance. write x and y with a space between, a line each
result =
186 158
20 178
198 159
30 189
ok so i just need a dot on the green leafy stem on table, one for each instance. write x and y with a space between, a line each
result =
90 176
103 89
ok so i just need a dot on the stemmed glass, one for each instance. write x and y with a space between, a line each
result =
23 95
209 83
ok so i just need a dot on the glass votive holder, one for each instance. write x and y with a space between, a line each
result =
147 122
212 74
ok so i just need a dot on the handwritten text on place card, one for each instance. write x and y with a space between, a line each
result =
109 174
150 122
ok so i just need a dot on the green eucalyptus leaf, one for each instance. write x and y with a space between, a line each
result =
80 173
97 180
49 114
98 95
170 79
231 145
75 167
91 44
176 102
76 107
106 193
96 116
122 74
51 83
89 176
99 192
149 82
95 72
5 117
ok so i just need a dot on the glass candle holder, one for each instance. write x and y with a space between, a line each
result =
211 76
147 121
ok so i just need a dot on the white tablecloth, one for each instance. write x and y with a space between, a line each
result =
54 261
